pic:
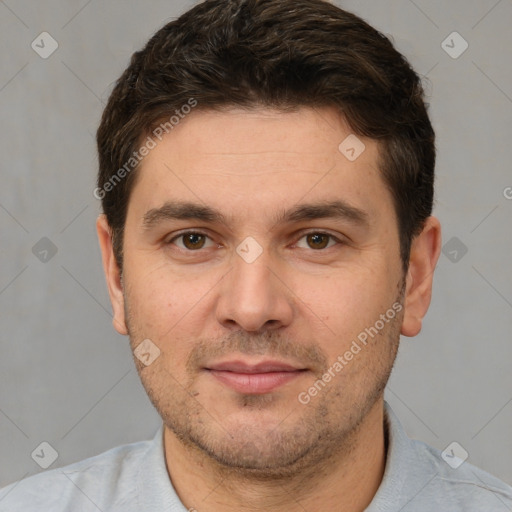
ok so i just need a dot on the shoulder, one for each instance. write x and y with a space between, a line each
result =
458 485
86 485
420 478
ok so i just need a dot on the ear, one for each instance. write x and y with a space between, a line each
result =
425 250
112 274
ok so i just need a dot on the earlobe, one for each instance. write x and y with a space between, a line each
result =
112 274
425 250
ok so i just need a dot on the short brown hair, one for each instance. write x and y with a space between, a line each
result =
281 54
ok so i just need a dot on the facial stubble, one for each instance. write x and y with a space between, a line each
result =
303 439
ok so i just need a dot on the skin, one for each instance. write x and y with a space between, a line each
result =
302 301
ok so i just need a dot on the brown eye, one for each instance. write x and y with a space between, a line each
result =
191 241
317 240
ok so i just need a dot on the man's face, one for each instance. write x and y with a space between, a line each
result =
250 309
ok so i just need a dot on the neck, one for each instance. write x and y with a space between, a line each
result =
348 481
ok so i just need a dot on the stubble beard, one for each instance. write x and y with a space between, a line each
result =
326 428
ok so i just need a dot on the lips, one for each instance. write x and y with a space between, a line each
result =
259 378
262 367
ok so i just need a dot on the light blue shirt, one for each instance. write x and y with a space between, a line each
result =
134 478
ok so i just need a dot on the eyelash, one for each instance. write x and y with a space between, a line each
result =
303 235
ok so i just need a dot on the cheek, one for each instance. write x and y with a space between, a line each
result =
167 307
345 303
158 293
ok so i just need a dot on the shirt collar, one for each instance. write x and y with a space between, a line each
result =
155 489
406 472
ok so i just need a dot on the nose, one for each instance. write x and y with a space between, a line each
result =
254 297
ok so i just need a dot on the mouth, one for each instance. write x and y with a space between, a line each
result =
260 378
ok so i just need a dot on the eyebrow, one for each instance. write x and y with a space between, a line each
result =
178 210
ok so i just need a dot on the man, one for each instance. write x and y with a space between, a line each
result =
266 175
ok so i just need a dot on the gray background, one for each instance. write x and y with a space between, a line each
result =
67 378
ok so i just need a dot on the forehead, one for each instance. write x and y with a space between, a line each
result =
250 162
